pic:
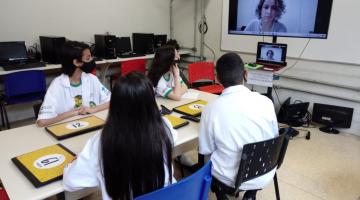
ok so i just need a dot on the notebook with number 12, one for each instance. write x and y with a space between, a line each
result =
193 108
75 127
176 122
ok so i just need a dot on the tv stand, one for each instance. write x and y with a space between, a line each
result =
329 129
269 89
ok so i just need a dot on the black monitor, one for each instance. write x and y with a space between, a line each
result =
143 43
12 51
123 45
272 54
332 116
159 40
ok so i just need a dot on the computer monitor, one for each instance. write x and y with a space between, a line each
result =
332 116
143 43
159 40
12 51
123 45
271 54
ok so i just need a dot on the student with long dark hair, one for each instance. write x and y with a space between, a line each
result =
132 155
165 73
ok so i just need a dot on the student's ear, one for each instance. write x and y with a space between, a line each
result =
77 63
245 77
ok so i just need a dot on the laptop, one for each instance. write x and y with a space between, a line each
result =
123 48
271 55
13 56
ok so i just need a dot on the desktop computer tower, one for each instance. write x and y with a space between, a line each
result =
159 40
105 46
143 43
51 48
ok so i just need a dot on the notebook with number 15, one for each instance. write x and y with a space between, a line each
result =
193 108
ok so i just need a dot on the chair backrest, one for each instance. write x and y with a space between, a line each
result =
201 71
24 86
194 187
259 158
138 65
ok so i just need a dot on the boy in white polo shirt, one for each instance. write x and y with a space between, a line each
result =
237 117
76 91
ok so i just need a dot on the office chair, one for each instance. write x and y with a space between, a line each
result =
126 67
202 77
22 87
257 159
194 187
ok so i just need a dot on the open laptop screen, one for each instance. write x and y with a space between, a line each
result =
12 51
273 54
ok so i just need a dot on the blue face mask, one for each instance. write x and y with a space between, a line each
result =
88 67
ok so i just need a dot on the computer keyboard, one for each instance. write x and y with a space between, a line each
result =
130 55
18 66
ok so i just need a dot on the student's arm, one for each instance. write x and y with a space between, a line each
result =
180 87
58 118
98 108
82 172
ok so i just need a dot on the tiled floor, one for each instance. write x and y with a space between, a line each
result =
326 167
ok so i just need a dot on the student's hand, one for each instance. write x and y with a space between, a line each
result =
87 110
175 70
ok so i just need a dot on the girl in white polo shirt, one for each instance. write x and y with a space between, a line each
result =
76 91
165 74
132 154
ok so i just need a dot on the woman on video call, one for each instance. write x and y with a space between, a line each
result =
268 13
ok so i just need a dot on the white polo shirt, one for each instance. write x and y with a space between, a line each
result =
237 117
60 97
86 172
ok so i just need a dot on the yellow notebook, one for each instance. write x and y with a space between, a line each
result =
44 165
194 108
75 127
176 122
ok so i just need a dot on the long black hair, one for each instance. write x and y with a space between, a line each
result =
134 142
163 60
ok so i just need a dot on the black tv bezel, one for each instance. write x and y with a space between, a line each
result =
232 11
271 63
316 117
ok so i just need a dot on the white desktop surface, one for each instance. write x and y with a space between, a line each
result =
25 139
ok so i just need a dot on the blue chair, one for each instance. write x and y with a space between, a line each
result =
22 87
194 187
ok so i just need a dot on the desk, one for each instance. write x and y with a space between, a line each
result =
106 63
21 140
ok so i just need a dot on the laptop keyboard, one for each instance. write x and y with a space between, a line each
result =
18 66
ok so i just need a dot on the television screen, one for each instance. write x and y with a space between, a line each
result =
288 18
273 54
332 116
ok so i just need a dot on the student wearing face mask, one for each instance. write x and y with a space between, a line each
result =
76 91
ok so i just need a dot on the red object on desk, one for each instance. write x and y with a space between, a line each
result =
3 194
271 68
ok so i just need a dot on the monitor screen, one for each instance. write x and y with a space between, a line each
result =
273 54
330 115
12 51
143 43
289 18
123 45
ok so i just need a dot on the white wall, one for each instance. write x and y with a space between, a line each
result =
335 83
81 19
22 20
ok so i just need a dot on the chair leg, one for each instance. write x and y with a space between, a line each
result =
6 118
276 187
